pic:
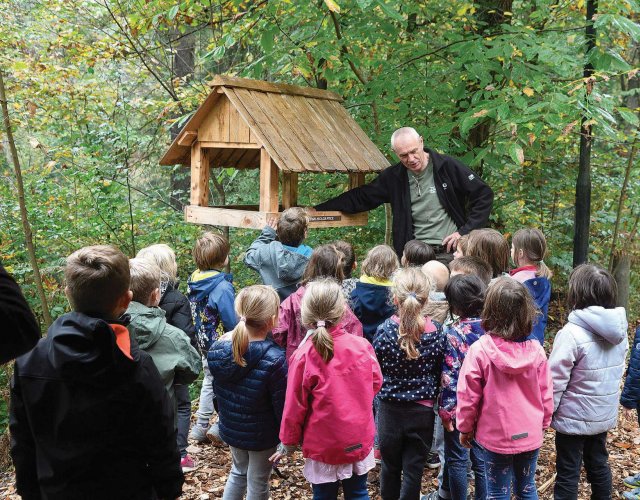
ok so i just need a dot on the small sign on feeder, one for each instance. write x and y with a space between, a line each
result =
281 129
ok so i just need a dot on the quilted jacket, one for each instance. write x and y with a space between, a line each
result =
631 393
178 311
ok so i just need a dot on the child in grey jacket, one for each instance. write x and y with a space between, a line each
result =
587 363
278 254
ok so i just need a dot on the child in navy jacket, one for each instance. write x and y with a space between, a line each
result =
630 400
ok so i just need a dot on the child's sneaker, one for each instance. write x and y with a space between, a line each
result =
433 461
633 481
377 456
213 434
198 433
632 495
187 463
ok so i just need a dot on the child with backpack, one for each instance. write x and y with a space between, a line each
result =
505 398
410 348
249 373
587 363
528 248
333 377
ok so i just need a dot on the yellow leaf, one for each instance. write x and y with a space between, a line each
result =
528 91
333 7
462 10
478 114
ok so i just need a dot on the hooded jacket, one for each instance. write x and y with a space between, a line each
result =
505 395
176 359
463 195
372 304
540 289
279 266
328 405
177 310
290 331
587 363
630 397
211 295
90 417
250 398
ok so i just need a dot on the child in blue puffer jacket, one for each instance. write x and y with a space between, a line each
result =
250 379
630 400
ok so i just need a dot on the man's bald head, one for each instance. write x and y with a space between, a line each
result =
404 133
409 148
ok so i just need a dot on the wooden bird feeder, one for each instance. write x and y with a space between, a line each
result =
282 130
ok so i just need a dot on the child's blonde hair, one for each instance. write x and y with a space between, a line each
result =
509 310
96 277
162 256
210 251
256 306
490 246
534 247
323 306
411 292
145 278
381 262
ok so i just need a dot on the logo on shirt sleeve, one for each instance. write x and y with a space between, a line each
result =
471 177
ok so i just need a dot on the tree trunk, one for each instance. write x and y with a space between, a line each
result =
583 184
622 275
31 251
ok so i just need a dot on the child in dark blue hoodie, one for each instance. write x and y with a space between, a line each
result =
211 295
528 248
371 298
250 380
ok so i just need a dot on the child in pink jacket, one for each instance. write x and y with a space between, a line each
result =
505 393
333 377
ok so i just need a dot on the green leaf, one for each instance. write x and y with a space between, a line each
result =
363 4
629 116
172 12
390 12
516 153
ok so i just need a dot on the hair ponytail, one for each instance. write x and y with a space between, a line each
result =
323 306
534 247
411 291
255 306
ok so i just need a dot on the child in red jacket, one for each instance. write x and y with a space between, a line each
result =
333 377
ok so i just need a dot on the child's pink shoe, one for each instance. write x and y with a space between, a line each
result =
187 463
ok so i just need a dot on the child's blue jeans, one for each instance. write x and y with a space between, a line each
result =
501 470
456 458
354 488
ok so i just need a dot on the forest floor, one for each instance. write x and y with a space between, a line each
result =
212 467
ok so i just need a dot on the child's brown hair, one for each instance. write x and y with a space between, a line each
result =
326 261
490 246
256 307
509 310
323 306
381 262
292 226
471 265
417 253
210 251
145 278
96 277
590 285
411 292
349 256
533 245
461 245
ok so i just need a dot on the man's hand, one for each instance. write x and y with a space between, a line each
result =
451 241
466 438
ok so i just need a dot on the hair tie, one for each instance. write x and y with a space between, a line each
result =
412 294
320 324
243 318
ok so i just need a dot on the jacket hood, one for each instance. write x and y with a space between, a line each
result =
147 324
540 289
201 284
287 264
511 357
224 368
373 297
610 324
84 347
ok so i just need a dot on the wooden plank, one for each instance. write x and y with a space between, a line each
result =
222 159
187 138
278 88
268 183
356 180
377 160
236 100
199 176
215 216
250 159
226 217
223 121
236 156
226 145
243 131
289 189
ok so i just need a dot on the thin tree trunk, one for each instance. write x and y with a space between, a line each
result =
388 223
583 183
622 275
623 196
23 207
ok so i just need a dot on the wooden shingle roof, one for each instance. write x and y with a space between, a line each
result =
303 129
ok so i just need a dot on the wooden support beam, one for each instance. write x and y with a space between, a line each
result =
356 180
289 189
199 175
268 183
229 145
187 138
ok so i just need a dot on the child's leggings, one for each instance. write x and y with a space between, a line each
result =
502 470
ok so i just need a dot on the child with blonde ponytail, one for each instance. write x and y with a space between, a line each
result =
249 379
333 377
410 350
